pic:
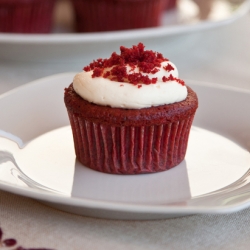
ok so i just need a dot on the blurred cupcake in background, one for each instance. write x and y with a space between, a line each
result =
26 16
108 15
170 4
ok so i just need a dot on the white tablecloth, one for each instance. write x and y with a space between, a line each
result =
222 57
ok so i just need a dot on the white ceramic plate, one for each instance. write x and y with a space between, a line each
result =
37 158
82 48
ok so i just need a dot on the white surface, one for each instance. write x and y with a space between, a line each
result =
47 162
84 47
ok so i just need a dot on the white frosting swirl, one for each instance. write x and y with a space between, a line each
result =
103 91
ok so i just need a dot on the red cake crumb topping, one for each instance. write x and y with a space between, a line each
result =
171 78
169 67
147 61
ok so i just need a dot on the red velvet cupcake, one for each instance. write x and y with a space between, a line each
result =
26 16
108 15
113 131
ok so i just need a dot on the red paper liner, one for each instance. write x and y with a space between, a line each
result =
107 15
129 149
25 16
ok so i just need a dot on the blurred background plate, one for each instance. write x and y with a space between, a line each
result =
63 46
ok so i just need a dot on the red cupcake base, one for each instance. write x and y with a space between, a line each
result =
130 141
26 16
130 150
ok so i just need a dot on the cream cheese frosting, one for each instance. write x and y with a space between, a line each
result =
107 92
